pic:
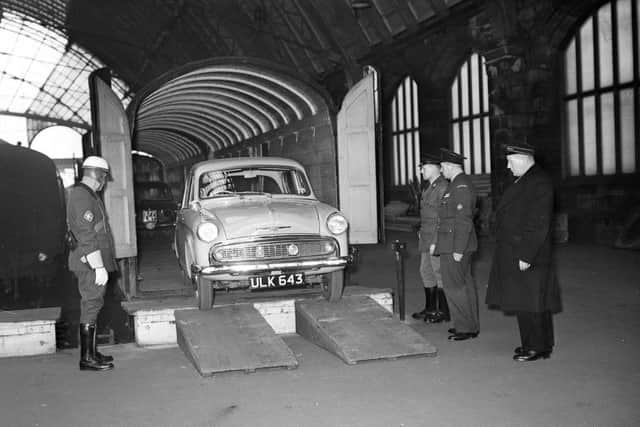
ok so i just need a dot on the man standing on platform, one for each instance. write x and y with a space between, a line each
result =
522 278
93 256
455 243
435 309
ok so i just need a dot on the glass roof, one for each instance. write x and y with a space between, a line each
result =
42 76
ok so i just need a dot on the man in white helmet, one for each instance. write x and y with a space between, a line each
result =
92 258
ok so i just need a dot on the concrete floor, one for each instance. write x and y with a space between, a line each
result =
592 378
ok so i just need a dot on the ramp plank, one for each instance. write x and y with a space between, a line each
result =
357 328
230 338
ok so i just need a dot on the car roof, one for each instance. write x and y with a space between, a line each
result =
234 162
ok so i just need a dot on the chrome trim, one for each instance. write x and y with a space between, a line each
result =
243 244
255 268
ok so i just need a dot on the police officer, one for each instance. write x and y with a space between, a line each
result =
455 242
93 257
435 309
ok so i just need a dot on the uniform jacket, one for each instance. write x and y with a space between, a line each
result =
429 204
524 232
456 232
87 220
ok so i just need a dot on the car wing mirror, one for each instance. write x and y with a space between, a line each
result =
195 205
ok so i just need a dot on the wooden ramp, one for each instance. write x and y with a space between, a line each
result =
357 329
230 338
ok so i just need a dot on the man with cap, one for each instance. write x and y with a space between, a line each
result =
522 279
435 309
455 243
93 256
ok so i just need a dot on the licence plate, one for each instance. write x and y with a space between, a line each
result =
276 281
149 215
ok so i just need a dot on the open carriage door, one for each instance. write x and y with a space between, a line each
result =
111 136
357 179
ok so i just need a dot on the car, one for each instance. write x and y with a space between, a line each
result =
155 206
254 223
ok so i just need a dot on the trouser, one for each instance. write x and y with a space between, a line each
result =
91 296
430 270
536 330
461 292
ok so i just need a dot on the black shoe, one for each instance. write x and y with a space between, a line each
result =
435 318
520 350
420 314
461 336
531 355
452 331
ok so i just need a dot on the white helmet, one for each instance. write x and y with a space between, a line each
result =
95 162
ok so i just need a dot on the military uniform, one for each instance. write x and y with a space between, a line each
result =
88 222
456 233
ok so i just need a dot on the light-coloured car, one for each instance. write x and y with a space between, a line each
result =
254 223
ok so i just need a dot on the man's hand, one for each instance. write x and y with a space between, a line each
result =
102 276
523 265
432 249
457 257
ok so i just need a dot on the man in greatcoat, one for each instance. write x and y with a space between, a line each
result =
456 242
435 309
522 279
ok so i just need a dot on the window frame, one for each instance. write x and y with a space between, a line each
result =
596 93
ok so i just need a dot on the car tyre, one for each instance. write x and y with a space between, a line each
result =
206 294
333 286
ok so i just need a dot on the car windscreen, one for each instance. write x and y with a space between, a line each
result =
153 192
253 180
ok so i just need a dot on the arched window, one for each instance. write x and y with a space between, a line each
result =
470 134
601 83
405 129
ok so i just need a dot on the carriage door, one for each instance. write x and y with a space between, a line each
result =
357 162
112 138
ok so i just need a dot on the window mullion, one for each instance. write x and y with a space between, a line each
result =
596 86
469 155
581 167
616 89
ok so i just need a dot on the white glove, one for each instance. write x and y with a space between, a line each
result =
102 276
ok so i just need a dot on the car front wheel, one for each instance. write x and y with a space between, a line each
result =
333 286
206 294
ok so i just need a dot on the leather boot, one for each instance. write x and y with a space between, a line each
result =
88 362
102 358
428 305
441 312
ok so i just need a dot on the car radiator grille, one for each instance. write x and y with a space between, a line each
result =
261 251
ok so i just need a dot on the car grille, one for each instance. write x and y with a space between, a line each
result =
261 251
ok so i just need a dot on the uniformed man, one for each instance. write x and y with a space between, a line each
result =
93 257
455 242
522 279
435 308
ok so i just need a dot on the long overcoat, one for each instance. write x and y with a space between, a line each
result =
524 232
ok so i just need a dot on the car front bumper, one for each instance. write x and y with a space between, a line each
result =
244 270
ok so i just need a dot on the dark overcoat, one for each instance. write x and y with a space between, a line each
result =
524 232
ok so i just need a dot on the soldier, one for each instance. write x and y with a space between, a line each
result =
455 242
522 279
93 256
435 308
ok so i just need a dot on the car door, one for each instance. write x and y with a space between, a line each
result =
180 232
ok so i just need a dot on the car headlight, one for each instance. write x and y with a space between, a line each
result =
337 223
207 231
